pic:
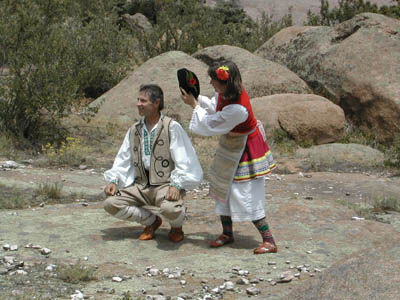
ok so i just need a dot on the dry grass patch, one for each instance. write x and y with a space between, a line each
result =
12 198
372 210
50 190
76 273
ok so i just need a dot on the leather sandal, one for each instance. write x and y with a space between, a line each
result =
266 247
176 234
222 240
149 231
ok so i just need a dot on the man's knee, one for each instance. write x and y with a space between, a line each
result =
171 209
109 206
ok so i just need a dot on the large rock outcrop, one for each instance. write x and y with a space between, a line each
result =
356 64
337 157
138 22
118 105
306 118
370 274
261 77
279 8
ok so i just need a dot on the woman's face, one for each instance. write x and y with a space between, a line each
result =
219 87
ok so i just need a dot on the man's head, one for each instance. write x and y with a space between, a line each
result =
150 100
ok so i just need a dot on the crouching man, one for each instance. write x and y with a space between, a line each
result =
154 166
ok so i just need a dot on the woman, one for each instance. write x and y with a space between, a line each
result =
242 159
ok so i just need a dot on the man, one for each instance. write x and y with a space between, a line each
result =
154 166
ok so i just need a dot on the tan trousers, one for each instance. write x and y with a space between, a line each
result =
139 203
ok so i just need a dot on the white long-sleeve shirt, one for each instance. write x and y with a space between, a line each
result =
207 121
187 173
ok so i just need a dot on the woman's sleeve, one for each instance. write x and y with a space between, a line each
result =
188 172
209 105
218 123
122 172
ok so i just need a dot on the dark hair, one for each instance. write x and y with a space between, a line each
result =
233 83
154 92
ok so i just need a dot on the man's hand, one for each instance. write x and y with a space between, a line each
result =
188 98
172 194
110 189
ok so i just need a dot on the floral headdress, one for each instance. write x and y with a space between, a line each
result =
223 73
188 81
191 80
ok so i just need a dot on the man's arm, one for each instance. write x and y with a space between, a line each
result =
188 173
122 173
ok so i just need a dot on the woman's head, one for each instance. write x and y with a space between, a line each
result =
226 79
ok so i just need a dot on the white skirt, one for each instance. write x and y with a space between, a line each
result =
246 201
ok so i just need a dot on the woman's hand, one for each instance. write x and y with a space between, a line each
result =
188 98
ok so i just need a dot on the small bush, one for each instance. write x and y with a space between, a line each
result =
346 10
354 135
69 153
370 211
392 154
76 273
6 147
283 142
50 191
126 296
387 204
12 198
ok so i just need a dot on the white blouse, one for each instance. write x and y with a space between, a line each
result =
187 173
207 121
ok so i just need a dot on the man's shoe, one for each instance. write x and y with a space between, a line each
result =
176 234
149 231
266 247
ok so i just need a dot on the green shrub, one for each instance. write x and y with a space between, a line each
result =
392 153
76 273
354 135
71 152
283 142
5 149
12 198
126 296
49 191
57 52
189 25
346 10
386 204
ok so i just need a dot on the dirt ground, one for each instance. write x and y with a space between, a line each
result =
308 213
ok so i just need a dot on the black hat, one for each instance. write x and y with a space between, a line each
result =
189 82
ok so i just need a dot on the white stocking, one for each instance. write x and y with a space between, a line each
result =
178 222
136 214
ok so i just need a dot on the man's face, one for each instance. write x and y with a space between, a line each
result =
145 107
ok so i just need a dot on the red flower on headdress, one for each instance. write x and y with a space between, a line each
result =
192 81
223 73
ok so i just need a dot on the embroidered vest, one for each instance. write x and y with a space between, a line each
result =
244 100
161 163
